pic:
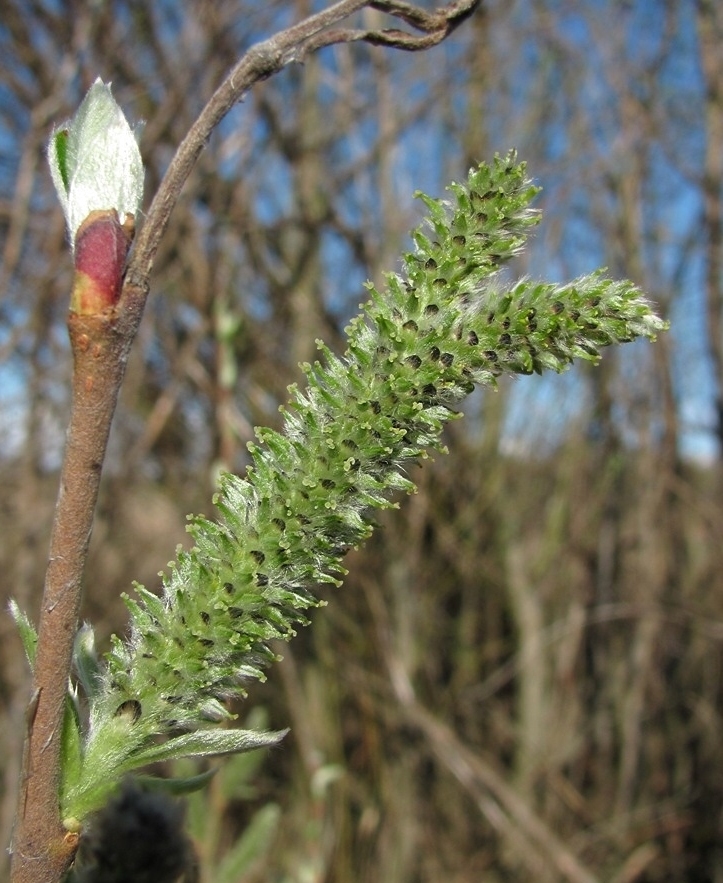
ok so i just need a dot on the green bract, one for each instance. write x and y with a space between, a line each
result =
443 325
95 162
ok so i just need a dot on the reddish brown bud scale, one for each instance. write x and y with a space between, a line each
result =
101 249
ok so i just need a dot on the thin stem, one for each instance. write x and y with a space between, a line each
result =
42 849
262 61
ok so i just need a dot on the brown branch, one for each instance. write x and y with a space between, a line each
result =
436 26
263 60
259 63
42 850
439 23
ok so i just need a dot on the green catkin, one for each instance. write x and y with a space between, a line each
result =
438 329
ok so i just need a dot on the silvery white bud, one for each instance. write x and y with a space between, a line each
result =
95 162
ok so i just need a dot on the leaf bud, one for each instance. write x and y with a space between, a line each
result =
97 170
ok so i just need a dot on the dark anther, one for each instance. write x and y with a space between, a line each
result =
131 708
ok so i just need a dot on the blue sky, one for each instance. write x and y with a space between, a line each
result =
569 71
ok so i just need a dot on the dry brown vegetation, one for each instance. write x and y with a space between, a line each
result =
521 678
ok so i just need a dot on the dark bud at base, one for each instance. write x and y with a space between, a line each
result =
136 838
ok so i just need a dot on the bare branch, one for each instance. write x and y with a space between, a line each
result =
445 19
262 61
436 27
42 850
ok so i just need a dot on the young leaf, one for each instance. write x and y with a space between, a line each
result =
28 635
95 162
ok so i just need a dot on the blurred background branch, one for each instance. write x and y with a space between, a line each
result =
554 590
